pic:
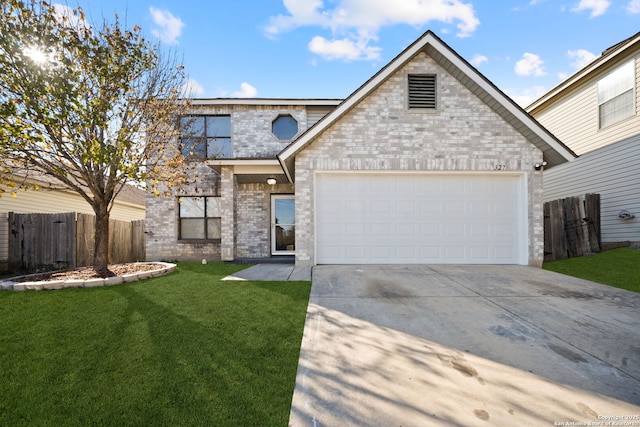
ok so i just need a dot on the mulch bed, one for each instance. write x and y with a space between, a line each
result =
86 273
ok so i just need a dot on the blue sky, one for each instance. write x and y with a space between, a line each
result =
328 48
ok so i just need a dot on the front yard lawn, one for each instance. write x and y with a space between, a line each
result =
617 267
183 349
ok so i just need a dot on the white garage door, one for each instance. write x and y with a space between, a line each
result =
366 218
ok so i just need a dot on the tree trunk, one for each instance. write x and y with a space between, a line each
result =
101 244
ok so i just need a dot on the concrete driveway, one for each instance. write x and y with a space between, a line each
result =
465 346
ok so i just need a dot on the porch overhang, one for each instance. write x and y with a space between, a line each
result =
251 170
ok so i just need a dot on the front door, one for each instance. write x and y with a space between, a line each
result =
283 224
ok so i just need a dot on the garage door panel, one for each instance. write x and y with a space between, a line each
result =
479 253
396 218
380 230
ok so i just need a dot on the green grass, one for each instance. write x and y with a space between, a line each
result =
183 349
617 267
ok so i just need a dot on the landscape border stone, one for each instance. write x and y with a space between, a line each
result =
10 285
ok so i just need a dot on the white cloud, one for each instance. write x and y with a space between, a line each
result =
354 24
192 87
168 28
581 58
597 7
633 6
246 91
524 97
530 65
343 49
477 60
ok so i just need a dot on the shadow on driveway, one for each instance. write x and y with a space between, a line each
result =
465 345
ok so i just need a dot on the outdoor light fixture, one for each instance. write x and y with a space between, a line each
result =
540 166
271 181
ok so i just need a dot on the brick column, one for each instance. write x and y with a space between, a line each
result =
228 220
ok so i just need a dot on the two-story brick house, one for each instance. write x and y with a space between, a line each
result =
426 162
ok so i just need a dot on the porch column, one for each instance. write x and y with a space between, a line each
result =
228 220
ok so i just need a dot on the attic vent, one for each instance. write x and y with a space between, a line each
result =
422 91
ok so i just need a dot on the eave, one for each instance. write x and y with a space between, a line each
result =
251 170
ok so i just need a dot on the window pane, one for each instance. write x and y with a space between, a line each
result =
219 126
192 228
213 228
218 148
192 126
213 207
285 127
621 80
617 109
192 147
192 207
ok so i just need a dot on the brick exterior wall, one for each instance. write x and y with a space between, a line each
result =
251 135
246 208
380 133
161 225
253 218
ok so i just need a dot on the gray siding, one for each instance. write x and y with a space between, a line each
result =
613 172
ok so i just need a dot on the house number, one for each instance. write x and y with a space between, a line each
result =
499 167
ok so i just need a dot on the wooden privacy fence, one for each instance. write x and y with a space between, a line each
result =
572 227
45 242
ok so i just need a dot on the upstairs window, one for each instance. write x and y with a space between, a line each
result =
284 127
615 95
422 91
199 218
206 136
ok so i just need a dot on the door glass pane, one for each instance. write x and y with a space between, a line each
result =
284 219
285 211
285 237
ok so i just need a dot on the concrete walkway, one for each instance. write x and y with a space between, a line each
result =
466 346
278 272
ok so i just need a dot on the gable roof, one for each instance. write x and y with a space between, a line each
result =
554 151
609 56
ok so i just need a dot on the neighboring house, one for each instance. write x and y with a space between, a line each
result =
596 113
129 206
427 162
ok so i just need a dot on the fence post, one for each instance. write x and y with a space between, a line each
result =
572 227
